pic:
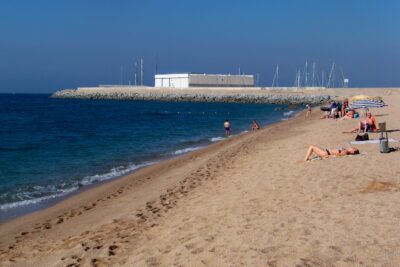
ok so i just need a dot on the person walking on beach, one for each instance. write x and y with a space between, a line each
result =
227 126
308 114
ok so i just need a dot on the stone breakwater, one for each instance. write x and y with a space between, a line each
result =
191 95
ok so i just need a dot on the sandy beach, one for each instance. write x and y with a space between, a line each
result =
246 201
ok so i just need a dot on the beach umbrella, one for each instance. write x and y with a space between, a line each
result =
365 97
360 97
367 103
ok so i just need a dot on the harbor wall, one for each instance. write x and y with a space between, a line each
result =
227 95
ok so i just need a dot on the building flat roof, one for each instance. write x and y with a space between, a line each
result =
185 75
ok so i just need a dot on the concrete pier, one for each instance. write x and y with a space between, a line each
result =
226 95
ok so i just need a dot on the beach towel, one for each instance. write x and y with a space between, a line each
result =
371 141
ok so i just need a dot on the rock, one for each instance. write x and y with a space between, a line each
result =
192 95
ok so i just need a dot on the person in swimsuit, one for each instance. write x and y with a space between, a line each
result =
344 106
349 115
308 114
255 126
369 125
227 126
327 152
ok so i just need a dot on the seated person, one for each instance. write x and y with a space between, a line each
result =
369 125
255 126
334 109
325 152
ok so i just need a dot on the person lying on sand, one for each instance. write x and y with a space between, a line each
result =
326 115
327 152
369 125
255 126
349 115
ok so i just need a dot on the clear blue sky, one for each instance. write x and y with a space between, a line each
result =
49 45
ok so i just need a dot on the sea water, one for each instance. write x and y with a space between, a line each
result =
51 148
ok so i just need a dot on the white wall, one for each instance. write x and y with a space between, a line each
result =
172 80
202 80
218 80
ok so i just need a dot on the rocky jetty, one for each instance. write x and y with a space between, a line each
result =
192 95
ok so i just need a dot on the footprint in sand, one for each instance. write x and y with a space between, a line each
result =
112 250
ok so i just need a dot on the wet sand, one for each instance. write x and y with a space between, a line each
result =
246 201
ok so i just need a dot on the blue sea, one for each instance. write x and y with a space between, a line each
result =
51 148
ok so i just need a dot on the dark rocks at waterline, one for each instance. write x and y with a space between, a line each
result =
260 98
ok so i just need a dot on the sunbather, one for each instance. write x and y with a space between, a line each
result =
327 152
349 115
369 125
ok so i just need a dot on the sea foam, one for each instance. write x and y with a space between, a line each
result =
186 150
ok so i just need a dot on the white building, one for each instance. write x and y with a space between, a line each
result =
186 80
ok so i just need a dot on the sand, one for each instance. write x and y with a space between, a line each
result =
246 201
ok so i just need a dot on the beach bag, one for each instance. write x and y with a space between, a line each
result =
362 137
384 144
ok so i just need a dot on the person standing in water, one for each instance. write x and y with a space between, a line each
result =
227 126
255 126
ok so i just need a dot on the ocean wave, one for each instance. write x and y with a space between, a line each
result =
34 200
51 191
216 139
289 113
113 173
186 150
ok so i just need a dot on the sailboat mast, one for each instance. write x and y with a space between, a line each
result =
306 74
330 75
120 75
313 74
135 73
141 71
276 77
